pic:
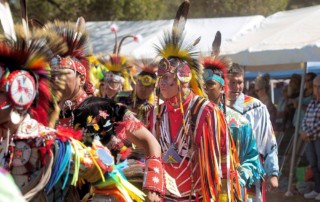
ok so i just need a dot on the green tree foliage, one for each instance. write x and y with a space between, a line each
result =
102 10
225 8
92 10
293 4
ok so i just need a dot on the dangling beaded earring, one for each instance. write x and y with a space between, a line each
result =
69 103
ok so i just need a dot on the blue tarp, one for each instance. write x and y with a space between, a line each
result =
311 67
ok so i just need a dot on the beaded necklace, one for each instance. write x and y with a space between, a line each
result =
68 107
180 145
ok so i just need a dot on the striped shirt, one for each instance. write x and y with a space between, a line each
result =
311 120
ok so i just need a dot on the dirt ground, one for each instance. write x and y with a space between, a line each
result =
279 197
285 152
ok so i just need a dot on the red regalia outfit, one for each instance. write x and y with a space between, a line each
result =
192 131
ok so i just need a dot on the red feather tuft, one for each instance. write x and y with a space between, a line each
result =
40 111
65 133
125 153
220 64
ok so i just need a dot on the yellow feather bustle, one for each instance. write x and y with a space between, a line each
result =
127 85
118 63
96 71
194 85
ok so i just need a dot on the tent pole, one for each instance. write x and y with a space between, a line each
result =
292 169
272 90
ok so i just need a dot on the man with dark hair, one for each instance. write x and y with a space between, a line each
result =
258 116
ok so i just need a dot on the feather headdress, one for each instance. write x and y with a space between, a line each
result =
96 71
148 72
215 66
74 34
116 63
25 71
180 57
76 38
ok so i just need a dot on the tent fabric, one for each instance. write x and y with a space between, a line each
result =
279 42
285 37
102 38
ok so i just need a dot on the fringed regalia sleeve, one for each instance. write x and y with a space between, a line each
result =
208 154
229 160
250 168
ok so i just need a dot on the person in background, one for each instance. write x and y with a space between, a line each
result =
281 107
262 89
140 101
257 114
306 99
251 91
119 75
293 95
311 134
111 84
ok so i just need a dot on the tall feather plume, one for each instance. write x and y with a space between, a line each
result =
117 45
81 25
114 29
181 18
7 20
216 62
24 16
216 45
74 35
35 23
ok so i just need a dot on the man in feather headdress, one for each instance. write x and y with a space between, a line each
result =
116 79
216 86
70 68
104 120
118 76
139 100
189 127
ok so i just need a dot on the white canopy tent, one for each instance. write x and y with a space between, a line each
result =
102 38
283 38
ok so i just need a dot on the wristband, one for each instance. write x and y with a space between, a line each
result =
154 175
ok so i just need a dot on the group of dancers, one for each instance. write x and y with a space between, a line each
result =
75 126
